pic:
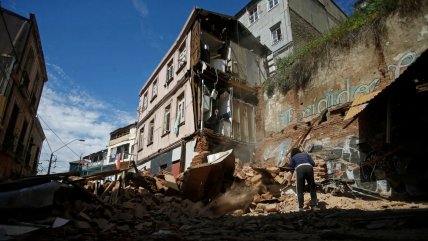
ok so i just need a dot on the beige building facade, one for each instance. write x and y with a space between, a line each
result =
204 86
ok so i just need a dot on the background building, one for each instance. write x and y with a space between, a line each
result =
282 25
22 77
121 144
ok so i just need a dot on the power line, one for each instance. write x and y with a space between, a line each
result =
57 136
46 137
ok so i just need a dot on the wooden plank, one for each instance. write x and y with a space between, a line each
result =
195 43
109 187
86 192
115 192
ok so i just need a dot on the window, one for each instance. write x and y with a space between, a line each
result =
272 3
179 118
155 89
145 101
182 56
34 92
29 63
151 131
276 33
169 72
180 108
167 120
162 168
141 138
253 15
113 152
25 78
23 133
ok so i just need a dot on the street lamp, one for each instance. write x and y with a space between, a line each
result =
50 160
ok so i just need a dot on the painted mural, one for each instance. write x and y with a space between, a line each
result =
404 60
349 93
354 160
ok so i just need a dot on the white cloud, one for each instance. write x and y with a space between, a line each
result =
74 115
141 7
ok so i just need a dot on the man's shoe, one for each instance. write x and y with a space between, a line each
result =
315 208
301 209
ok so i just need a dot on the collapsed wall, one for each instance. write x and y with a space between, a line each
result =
367 65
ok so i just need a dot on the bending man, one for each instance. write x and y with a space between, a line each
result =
303 164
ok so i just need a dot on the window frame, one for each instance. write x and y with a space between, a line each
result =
141 138
29 62
273 4
155 89
145 101
253 14
274 33
151 132
181 102
166 127
169 71
182 57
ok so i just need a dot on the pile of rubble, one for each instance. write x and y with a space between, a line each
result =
254 174
156 207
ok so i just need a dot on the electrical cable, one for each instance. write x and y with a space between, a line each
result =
57 136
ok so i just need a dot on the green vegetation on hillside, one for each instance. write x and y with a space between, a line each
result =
296 69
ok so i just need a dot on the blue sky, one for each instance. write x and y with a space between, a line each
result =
98 54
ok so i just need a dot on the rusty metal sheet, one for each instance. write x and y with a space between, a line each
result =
359 104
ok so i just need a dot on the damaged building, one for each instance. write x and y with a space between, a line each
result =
360 107
22 77
202 96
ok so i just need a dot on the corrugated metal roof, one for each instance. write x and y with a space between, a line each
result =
360 103
415 70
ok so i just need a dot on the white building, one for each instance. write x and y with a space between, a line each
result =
282 25
121 144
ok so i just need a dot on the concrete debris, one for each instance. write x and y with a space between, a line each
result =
336 187
139 206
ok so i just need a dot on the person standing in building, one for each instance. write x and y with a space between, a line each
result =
303 164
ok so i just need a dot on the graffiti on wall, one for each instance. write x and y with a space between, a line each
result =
346 161
349 93
403 62
328 100
342 159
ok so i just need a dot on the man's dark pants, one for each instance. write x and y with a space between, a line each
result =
305 172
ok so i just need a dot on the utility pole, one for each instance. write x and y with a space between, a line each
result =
50 160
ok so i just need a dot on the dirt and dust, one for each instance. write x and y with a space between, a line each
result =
254 207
